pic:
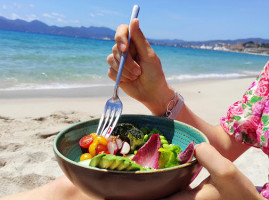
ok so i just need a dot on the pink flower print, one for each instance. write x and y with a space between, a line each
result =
262 89
257 108
263 137
266 107
266 136
244 99
236 128
265 191
238 137
236 109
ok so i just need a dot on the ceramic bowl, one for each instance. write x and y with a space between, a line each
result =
109 184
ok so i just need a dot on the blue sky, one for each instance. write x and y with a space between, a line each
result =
159 19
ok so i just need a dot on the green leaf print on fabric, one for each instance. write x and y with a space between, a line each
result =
237 118
263 139
255 99
232 130
265 120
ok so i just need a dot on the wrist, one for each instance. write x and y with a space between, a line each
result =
157 104
174 106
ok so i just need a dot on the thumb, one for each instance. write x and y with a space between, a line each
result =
142 46
211 159
224 175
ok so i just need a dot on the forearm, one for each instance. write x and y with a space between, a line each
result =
218 138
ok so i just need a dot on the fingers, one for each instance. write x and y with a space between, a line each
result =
113 75
131 69
121 37
224 175
213 161
141 44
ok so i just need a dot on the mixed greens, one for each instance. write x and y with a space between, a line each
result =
130 149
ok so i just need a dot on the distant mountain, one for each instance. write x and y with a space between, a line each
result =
101 33
40 27
209 42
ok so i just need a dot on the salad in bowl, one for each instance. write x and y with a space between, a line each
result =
147 157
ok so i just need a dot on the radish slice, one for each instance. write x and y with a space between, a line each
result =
125 148
112 147
119 143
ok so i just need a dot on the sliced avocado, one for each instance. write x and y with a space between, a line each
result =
133 166
95 160
113 162
107 161
124 165
118 161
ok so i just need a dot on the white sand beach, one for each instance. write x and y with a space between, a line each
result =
29 121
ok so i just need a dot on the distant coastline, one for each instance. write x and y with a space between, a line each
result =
256 46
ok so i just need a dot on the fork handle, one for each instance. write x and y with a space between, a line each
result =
124 55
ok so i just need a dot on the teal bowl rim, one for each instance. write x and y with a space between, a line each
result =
128 172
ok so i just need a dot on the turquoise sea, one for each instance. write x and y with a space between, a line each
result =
37 61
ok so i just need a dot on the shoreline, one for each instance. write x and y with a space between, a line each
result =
96 91
30 123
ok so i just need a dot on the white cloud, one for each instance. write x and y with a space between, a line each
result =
56 18
47 15
15 16
54 15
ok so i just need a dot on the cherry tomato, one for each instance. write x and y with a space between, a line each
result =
101 152
100 148
85 141
85 156
100 140
92 148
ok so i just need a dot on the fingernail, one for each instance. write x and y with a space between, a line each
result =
122 47
137 72
195 146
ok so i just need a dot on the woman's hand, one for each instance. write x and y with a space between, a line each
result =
225 182
142 77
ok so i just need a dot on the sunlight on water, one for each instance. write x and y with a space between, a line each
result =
36 61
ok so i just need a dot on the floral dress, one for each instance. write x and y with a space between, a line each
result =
248 119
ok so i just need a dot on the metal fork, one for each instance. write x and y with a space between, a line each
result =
113 107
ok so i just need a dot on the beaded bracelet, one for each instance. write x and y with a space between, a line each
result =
177 106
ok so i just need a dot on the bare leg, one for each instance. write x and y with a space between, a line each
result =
59 189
